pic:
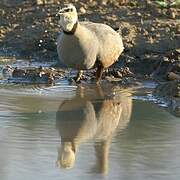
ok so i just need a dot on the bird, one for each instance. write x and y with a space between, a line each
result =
84 45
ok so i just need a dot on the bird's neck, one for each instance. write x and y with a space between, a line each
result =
73 30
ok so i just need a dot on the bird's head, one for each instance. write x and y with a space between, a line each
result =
68 17
66 156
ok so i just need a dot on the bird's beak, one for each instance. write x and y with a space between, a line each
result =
61 11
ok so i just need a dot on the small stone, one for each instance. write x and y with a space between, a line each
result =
167 29
152 29
173 76
82 10
158 35
119 74
139 29
139 14
178 28
93 3
142 21
7 71
18 72
104 2
113 79
39 2
145 32
171 13
151 40
165 59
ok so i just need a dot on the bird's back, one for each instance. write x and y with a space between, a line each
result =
110 42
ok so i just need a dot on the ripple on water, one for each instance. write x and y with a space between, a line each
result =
149 97
61 89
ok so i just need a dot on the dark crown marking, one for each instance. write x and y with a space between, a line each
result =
68 10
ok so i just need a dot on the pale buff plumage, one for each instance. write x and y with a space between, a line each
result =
80 119
91 43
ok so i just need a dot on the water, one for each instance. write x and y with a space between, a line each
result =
85 132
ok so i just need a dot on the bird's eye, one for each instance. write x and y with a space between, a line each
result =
68 10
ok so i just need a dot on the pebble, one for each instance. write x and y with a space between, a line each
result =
173 76
7 71
152 29
178 28
145 32
139 14
151 40
158 35
82 10
171 13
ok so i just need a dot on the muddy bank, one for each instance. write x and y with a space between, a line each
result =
51 76
30 28
170 92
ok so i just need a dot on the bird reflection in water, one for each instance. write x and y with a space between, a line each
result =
94 113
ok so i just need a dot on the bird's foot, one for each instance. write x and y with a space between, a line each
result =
78 77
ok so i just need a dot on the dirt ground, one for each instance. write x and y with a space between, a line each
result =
151 33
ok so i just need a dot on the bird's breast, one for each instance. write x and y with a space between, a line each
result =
72 54
77 52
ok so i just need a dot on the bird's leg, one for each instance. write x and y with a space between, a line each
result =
99 73
102 155
79 76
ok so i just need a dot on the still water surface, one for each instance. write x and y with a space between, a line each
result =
87 132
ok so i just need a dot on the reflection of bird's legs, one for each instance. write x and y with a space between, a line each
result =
102 154
99 73
100 90
79 76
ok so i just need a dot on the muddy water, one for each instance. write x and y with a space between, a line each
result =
86 132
